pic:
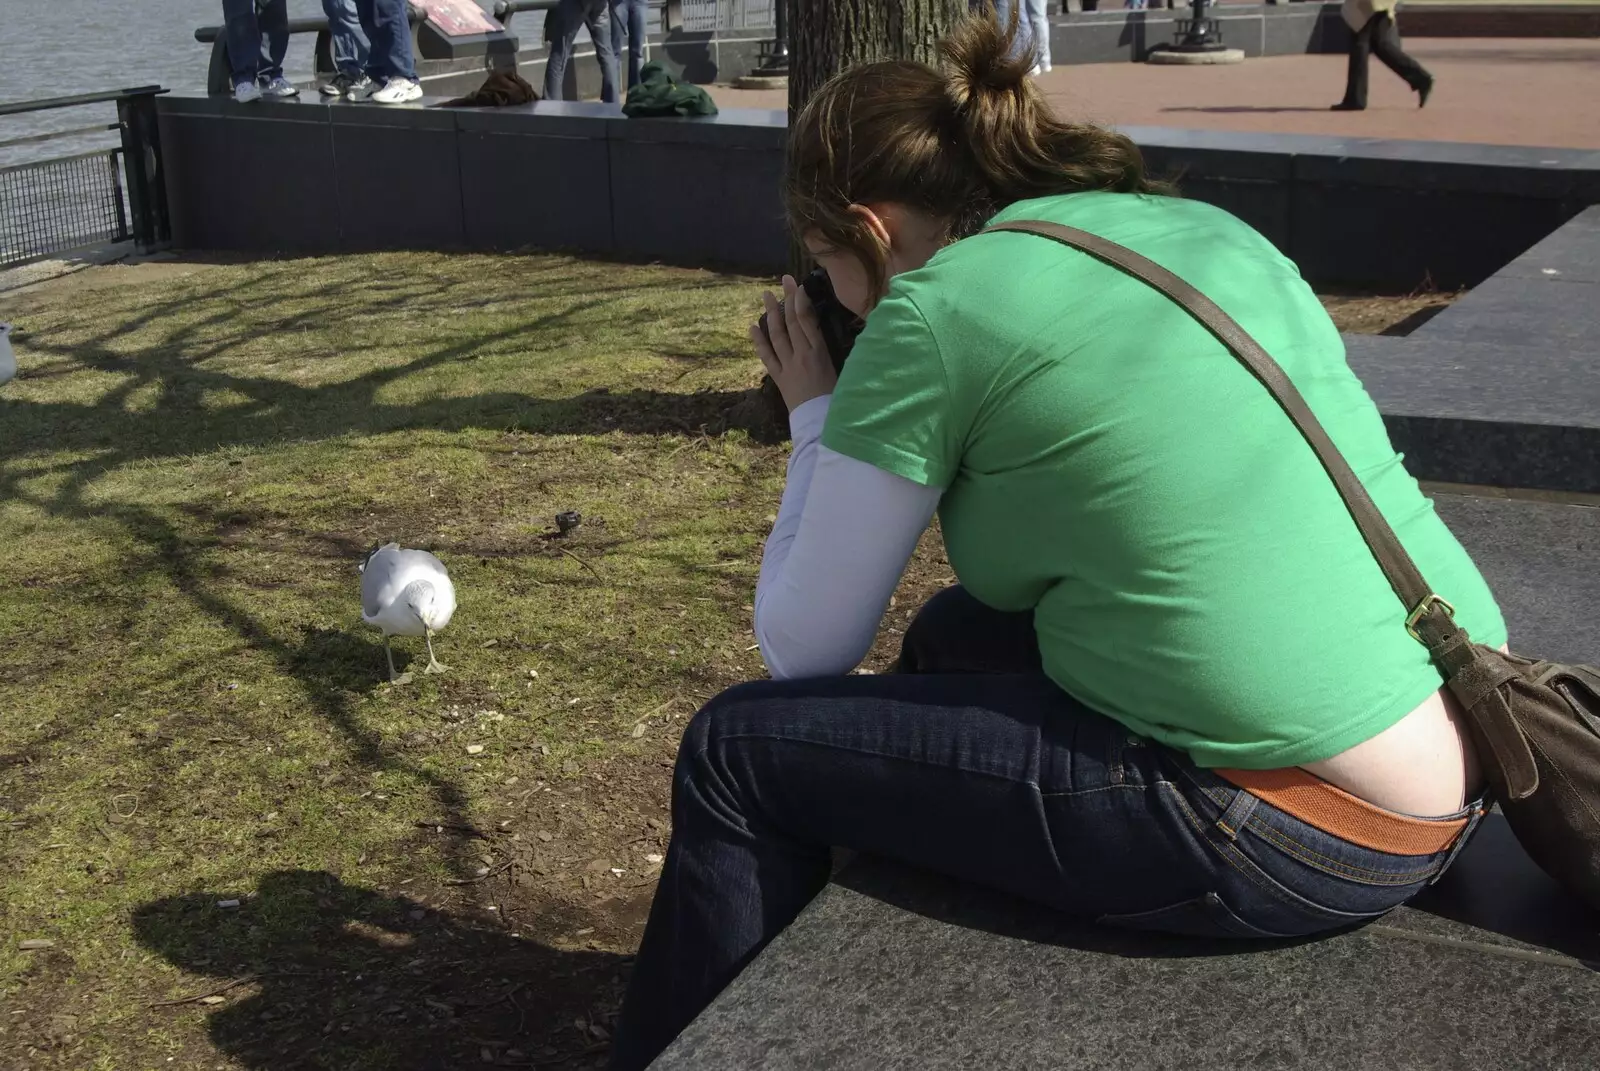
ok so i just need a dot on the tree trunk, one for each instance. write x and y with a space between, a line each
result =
826 36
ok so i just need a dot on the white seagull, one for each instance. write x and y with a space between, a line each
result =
406 593
8 360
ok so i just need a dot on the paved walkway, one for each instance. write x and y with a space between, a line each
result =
1502 91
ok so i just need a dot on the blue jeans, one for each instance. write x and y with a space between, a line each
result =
351 48
561 30
969 762
627 18
386 26
256 44
1038 35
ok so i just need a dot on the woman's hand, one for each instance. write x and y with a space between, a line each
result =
792 347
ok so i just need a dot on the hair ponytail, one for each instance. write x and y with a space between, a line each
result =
958 143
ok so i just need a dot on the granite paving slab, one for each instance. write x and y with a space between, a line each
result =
891 968
1464 411
1571 254
1542 560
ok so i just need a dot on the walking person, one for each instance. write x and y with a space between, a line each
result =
1372 29
628 16
1173 690
351 49
391 61
561 32
258 39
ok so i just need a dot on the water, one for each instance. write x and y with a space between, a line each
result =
52 48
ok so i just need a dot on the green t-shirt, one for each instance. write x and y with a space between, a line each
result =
1108 464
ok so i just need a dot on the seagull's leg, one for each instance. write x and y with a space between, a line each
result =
390 656
434 665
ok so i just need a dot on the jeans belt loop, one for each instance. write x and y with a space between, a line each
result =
1233 819
1479 809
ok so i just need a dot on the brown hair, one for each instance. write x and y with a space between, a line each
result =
958 144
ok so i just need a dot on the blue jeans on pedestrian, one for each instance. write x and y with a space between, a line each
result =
969 762
389 31
1038 35
627 19
256 43
351 48
561 31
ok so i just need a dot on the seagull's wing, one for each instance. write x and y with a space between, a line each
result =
379 580
420 565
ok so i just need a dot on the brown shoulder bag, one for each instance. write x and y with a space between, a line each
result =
1536 724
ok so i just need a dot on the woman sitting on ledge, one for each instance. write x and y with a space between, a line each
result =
1173 690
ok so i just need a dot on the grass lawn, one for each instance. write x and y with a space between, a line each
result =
443 874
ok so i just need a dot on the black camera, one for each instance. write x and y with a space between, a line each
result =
839 325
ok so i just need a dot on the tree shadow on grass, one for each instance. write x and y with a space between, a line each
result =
103 436
313 973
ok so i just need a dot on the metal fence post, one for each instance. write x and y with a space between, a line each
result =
142 165
219 76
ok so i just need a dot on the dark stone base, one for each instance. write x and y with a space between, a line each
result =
1503 388
891 968
1502 20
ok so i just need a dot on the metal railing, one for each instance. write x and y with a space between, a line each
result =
663 17
703 16
660 19
504 10
72 202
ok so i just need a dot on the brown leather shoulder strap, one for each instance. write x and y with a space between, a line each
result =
1427 615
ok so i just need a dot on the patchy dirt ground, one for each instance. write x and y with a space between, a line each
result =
1385 314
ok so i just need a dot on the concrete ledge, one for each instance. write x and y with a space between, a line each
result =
1501 20
1329 203
1502 388
1121 36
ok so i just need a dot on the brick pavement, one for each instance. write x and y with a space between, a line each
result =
1506 91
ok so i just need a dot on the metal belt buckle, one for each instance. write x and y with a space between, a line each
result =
1422 611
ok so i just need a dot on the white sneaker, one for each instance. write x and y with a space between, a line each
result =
398 91
279 88
247 92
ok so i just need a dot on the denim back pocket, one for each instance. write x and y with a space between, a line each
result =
1204 916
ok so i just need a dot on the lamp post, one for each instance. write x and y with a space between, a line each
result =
1199 33
777 62
1198 40
773 70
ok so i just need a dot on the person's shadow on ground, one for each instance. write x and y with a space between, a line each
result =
313 973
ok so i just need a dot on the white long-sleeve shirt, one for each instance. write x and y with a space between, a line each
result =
845 531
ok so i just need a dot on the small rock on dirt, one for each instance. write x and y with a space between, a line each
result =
474 749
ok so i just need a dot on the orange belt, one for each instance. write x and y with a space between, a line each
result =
1335 811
